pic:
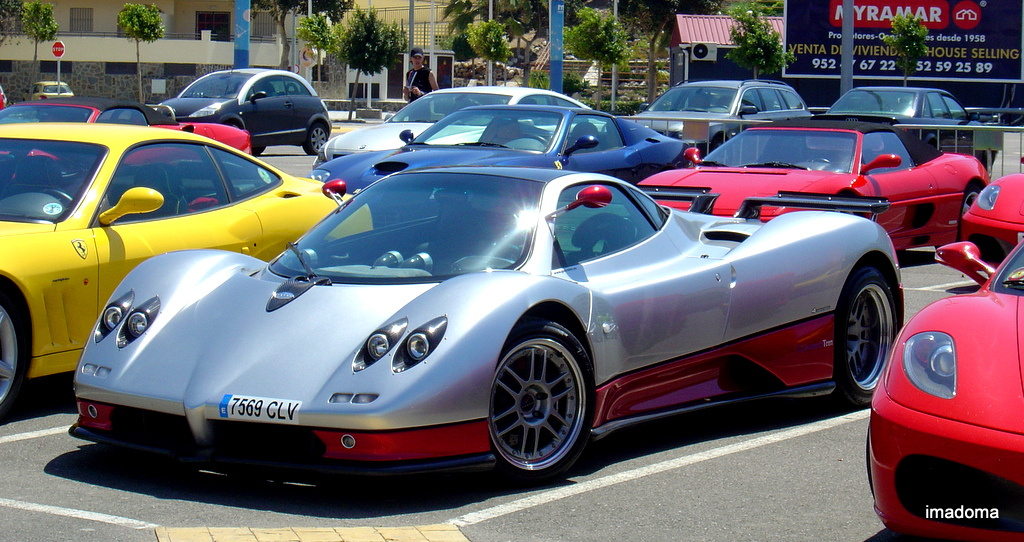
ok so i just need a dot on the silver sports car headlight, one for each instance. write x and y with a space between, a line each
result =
420 343
379 344
929 361
138 321
321 175
988 196
114 314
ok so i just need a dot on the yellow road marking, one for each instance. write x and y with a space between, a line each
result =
426 533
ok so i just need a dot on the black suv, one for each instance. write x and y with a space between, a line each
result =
709 102
276 107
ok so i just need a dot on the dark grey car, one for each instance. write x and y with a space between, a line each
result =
706 103
276 107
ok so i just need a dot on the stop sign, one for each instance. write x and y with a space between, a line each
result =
58 49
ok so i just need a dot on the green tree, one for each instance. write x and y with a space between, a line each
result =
39 25
368 44
654 20
489 40
280 9
10 14
140 24
317 32
598 38
908 39
758 45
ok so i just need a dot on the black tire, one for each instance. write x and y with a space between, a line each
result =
865 328
970 196
256 151
14 349
316 138
540 423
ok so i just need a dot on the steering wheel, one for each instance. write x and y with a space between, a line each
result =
60 195
480 263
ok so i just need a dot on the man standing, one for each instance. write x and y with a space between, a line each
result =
419 80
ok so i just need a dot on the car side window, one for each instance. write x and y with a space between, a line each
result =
750 97
561 102
956 111
936 107
584 234
123 116
535 99
183 174
245 178
877 143
793 101
295 88
771 99
603 128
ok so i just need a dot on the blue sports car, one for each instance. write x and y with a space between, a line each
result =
519 135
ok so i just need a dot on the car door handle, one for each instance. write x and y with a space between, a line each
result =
288 104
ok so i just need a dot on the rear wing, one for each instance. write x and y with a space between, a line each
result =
751 207
701 199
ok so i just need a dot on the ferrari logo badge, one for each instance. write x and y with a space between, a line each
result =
80 247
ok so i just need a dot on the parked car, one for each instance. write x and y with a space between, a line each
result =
42 90
276 107
82 204
929 190
429 109
483 317
103 110
709 102
946 441
520 135
915 105
994 222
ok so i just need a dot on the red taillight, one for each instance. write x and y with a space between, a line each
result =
95 415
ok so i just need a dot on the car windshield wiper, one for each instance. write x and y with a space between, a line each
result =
311 275
481 144
711 163
775 164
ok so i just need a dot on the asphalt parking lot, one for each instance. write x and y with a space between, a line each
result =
774 470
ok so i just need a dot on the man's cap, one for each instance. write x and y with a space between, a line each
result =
416 51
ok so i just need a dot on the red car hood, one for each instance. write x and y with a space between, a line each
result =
736 184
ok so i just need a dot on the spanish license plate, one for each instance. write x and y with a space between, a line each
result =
264 409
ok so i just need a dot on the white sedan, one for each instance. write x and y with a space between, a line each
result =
420 114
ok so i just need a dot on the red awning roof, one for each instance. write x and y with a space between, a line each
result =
710 29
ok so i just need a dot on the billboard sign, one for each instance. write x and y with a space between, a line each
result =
967 40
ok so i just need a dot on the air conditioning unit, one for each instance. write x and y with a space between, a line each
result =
704 51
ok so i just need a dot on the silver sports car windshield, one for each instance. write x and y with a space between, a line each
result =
421 227
520 129
796 149
43 181
432 107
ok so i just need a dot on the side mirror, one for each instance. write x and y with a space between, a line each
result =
257 96
965 258
407 136
136 200
748 110
881 161
584 142
693 155
335 189
593 197
643 107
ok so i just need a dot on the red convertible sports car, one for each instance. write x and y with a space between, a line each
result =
928 189
108 111
996 220
946 439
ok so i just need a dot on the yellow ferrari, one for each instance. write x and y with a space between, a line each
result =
82 204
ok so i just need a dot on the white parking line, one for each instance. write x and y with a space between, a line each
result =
598 483
80 514
944 287
33 434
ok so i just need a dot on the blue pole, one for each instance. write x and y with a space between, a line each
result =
242 15
557 14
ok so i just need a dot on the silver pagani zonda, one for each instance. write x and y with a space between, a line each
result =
476 318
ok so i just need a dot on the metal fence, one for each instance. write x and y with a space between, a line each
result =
1000 148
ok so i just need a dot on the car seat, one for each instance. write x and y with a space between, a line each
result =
601 234
34 174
